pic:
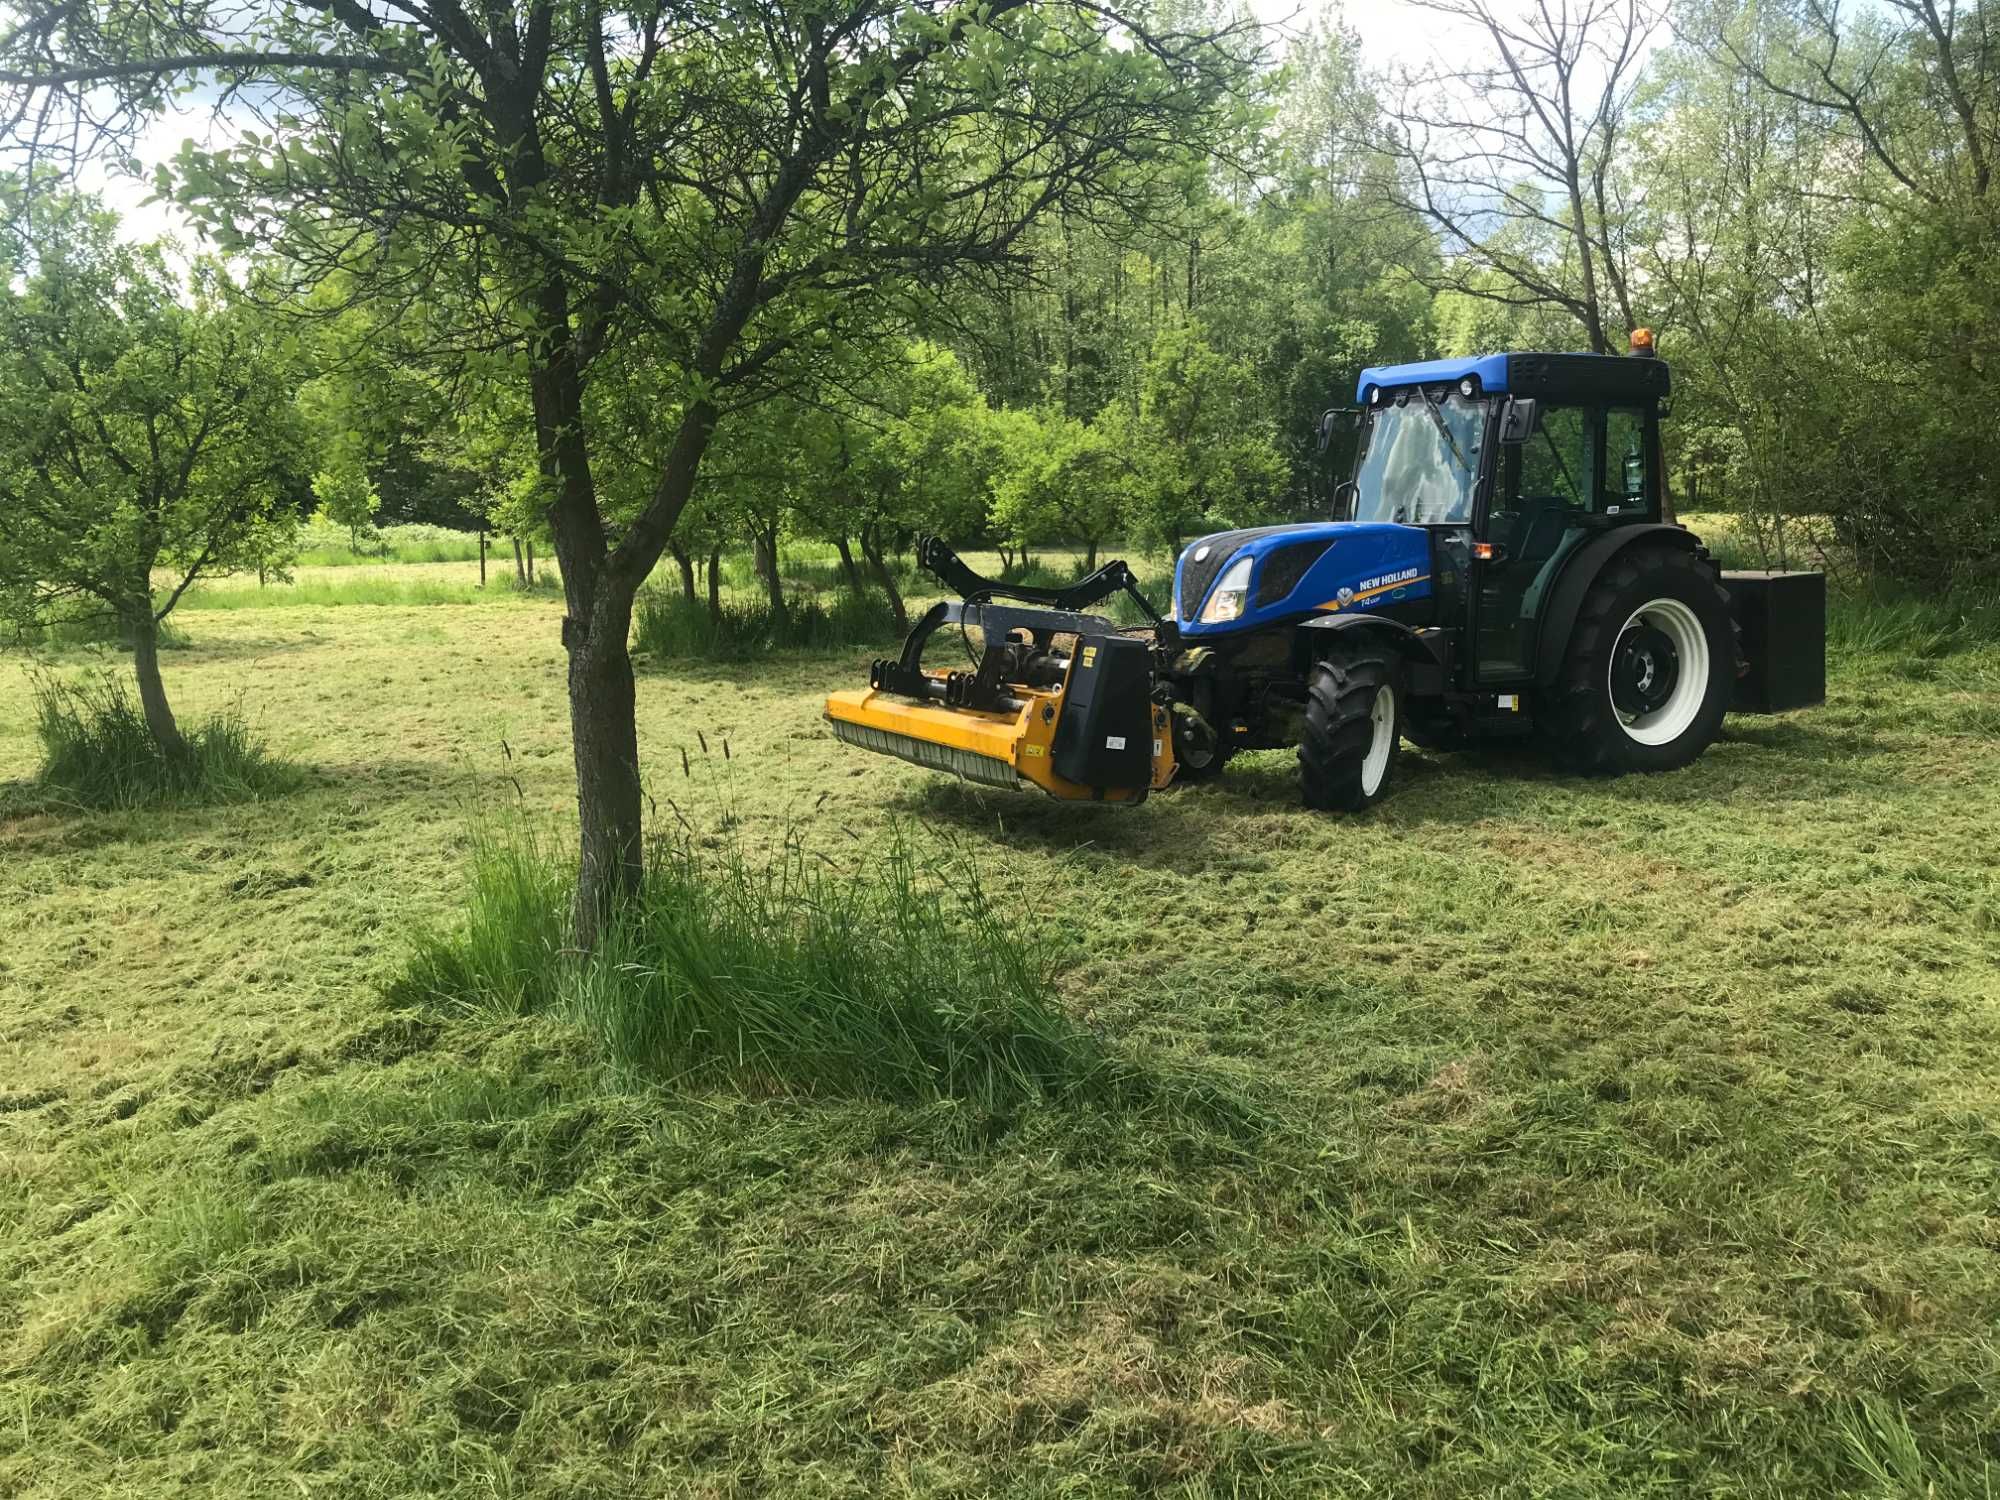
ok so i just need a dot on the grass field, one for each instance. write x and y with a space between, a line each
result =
1602 1139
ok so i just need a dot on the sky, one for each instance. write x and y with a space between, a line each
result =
1392 33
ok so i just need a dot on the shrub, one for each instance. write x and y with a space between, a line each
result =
670 624
98 752
893 980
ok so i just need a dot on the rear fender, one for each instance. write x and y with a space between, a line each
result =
1424 669
1565 597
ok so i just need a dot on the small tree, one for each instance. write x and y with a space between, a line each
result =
1202 448
1063 482
345 496
144 421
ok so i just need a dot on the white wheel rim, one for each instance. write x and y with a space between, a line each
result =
1669 720
1382 720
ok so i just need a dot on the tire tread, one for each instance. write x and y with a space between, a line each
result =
1577 725
1340 694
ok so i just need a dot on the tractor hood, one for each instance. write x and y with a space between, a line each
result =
1245 580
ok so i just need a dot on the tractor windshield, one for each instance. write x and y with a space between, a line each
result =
1419 458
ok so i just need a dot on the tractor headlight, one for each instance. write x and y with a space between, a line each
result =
1226 603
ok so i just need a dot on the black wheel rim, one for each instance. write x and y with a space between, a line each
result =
1644 669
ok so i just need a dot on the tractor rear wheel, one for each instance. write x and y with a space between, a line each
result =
1353 729
1648 670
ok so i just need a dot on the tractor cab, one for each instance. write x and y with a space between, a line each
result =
1510 462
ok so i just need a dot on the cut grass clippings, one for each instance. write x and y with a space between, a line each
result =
1629 1137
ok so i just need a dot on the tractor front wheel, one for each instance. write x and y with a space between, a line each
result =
1199 754
1354 725
1646 678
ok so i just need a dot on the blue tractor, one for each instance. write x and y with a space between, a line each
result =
1499 565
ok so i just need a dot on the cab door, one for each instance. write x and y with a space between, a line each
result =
1581 469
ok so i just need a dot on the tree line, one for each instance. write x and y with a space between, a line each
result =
650 281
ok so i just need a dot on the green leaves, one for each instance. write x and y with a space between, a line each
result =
146 423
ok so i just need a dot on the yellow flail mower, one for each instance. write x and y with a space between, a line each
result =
1062 700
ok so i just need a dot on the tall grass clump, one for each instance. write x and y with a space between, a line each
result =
1864 624
98 752
671 625
895 979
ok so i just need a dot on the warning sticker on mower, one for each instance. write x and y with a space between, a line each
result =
1114 742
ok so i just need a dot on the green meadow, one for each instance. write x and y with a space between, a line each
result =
1527 1136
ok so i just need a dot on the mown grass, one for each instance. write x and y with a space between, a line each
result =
1621 1137
381 587
98 751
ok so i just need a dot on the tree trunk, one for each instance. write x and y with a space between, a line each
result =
520 575
596 629
1090 555
604 732
152 692
766 545
715 584
686 564
871 548
531 562
848 566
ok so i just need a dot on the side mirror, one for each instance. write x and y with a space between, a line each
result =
1329 423
1517 419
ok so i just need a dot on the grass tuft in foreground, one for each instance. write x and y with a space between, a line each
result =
671 625
98 752
896 980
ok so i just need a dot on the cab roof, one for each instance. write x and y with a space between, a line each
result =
1612 379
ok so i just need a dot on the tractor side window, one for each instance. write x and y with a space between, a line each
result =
1556 463
1624 463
